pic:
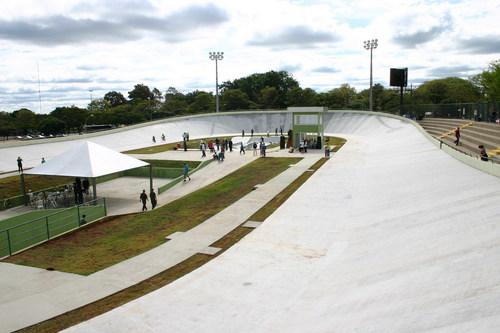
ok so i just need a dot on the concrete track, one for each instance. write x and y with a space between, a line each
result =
390 235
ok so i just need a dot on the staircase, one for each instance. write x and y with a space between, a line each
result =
473 134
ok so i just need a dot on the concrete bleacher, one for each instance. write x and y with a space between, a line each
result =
473 134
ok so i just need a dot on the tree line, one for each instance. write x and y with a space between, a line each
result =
271 90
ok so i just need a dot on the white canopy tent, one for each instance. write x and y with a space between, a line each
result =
88 160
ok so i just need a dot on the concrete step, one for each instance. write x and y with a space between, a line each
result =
472 133
454 122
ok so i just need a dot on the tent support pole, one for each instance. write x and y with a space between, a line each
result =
94 188
150 178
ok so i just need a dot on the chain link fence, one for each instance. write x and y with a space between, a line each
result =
485 111
23 234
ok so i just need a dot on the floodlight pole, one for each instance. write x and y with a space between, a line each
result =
370 45
216 56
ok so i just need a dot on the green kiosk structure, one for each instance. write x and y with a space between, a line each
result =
307 126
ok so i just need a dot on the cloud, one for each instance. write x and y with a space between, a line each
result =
60 30
325 69
411 40
290 68
91 67
297 36
480 45
447 71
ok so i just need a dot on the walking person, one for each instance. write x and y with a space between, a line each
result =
152 196
457 136
203 148
154 139
19 164
255 148
242 133
230 145
222 154
251 133
186 171
242 148
143 198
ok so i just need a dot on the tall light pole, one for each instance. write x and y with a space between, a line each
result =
216 56
370 45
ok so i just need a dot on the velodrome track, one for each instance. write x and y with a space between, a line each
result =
390 235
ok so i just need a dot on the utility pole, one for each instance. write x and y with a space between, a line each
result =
216 56
370 45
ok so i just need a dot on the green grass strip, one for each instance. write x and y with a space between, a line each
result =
108 242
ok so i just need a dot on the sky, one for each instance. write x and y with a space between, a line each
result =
79 50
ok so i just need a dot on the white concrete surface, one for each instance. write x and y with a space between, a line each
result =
390 235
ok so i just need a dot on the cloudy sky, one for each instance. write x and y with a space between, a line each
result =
90 47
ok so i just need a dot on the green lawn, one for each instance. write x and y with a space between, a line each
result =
34 227
191 144
108 242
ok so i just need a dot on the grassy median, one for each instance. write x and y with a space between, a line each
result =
113 240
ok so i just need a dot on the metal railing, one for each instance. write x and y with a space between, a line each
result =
39 230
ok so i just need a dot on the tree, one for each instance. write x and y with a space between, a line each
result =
51 125
269 98
140 92
99 105
447 90
234 99
489 81
7 126
115 98
203 102
73 117
25 121
301 97
157 95
253 85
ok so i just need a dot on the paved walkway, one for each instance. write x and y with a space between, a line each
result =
71 293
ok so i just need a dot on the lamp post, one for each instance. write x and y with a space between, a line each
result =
370 45
216 56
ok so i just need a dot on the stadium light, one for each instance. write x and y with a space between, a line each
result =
370 45
216 56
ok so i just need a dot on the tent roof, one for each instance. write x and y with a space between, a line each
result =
87 159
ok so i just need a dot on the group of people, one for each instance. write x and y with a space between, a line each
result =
162 138
275 132
80 188
144 199
152 195
217 148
